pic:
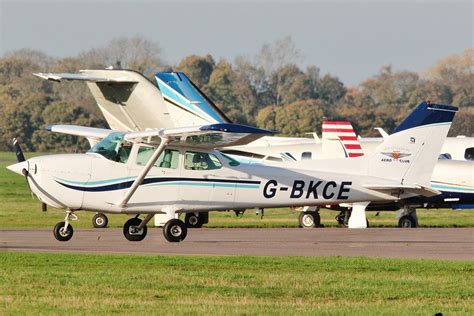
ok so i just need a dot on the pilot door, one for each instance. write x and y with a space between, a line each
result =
161 184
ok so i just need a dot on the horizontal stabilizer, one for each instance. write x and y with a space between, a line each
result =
415 189
72 76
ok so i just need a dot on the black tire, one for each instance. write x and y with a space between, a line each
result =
407 221
309 219
61 234
128 228
193 221
175 230
100 220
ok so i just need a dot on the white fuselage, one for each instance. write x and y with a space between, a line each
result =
92 182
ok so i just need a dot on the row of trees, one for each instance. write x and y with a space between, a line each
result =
270 91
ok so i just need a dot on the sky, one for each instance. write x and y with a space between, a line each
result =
349 39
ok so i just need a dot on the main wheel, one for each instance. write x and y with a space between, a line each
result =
131 231
407 221
309 219
175 230
193 221
62 234
100 220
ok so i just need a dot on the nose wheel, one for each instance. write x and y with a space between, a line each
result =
63 231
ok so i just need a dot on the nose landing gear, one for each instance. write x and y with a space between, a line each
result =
63 231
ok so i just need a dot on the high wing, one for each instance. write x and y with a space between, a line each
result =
205 136
93 134
80 76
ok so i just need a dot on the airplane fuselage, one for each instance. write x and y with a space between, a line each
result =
97 183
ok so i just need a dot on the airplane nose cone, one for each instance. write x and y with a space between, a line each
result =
18 167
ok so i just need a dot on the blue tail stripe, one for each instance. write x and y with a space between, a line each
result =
426 114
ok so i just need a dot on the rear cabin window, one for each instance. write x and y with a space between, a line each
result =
306 155
469 153
169 158
201 161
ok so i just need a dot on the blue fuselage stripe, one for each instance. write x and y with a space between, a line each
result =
166 181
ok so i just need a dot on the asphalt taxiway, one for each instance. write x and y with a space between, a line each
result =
429 243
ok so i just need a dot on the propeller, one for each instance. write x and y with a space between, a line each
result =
20 157
18 152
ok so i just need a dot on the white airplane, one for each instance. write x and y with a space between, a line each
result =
178 102
177 170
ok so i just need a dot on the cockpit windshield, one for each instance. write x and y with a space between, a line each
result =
113 147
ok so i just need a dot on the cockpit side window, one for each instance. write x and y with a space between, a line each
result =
169 158
201 161
113 148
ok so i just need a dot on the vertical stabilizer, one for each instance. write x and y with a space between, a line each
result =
337 135
408 156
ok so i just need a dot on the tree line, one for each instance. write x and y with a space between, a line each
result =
269 90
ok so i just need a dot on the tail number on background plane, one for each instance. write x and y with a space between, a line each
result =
313 189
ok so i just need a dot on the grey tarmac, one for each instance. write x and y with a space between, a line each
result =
427 243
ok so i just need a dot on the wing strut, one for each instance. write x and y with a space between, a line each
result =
146 169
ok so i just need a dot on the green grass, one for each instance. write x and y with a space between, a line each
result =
19 209
99 284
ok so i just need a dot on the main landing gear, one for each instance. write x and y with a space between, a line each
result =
407 218
100 220
135 229
309 219
196 220
63 231
175 230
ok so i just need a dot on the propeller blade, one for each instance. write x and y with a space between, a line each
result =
18 152
20 157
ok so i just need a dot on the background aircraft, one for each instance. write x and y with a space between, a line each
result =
131 102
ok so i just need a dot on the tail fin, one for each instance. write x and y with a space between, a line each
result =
408 156
180 92
343 133
131 102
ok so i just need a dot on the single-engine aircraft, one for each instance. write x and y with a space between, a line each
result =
131 102
177 170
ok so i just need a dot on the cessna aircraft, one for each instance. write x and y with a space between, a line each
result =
177 170
130 102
